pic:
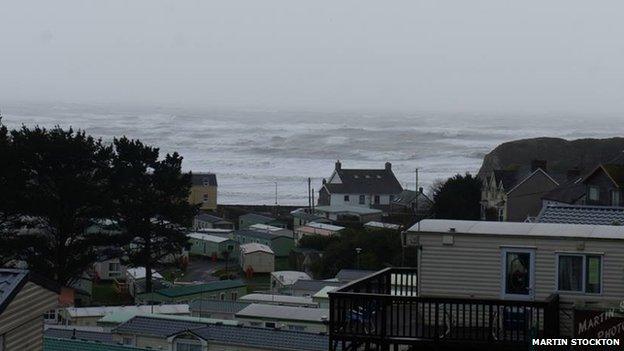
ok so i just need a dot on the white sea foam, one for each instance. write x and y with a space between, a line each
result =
251 149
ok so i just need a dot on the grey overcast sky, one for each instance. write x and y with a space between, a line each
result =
490 55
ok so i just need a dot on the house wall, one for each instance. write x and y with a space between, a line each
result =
282 245
471 267
526 200
197 196
354 199
260 262
21 323
103 272
492 194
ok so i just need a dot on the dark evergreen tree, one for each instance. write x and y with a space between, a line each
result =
150 203
60 182
458 198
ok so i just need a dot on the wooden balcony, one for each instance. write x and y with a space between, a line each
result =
383 311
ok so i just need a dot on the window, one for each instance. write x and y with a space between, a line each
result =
255 324
269 324
391 198
346 198
114 269
501 214
615 198
518 274
206 181
376 199
222 296
128 341
50 315
580 273
362 199
205 197
234 296
296 327
188 346
594 193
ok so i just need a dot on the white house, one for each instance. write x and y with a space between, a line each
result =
360 187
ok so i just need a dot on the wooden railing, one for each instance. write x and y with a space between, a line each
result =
384 309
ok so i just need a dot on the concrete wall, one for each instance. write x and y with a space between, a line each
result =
21 323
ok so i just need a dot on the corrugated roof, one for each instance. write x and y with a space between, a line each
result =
289 277
304 314
160 327
324 226
223 306
278 299
54 344
254 247
444 226
260 234
184 290
209 179
314 286
580 214
104 310
208 237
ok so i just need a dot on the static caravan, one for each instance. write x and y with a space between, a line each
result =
256 258
212 245
582 264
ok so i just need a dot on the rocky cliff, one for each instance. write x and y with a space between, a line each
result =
561 155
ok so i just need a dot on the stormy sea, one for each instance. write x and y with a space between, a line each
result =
252 149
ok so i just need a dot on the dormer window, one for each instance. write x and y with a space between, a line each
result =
206 182
593 193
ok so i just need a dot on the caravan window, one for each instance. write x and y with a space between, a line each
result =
579 273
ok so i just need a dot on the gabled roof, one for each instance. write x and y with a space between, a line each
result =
184 290
289 277
509 178
407 197
314 285
524 179
580 214
614 171
204 178
365 181
12 281
568 192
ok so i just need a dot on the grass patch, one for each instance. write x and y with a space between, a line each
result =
104 293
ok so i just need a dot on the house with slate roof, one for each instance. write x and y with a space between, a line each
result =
604 185
360 187
509 195
581 214
204 190
24 298
178 335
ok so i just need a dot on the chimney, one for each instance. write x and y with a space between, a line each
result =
388 166
535 164
420 190
338 165
573 173
324 181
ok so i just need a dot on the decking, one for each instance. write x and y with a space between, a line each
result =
383 311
